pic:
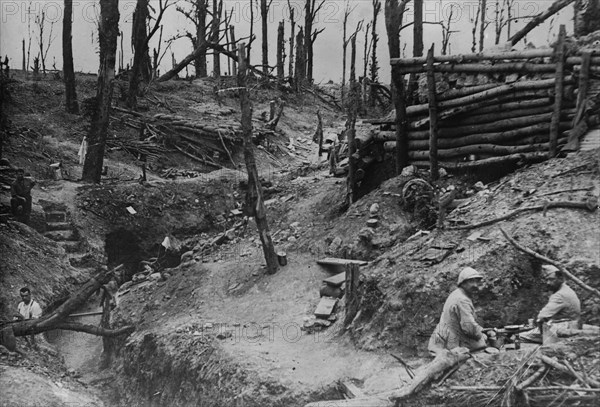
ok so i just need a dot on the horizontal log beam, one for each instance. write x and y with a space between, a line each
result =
479 57
508 159
510 67
482 56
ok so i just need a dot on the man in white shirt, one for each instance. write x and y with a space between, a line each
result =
28 308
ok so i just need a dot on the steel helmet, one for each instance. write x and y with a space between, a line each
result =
468 273
549 270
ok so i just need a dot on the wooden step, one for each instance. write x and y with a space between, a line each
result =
336 280
325 307
58 226
56 216
332 261
61 235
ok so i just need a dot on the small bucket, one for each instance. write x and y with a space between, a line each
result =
282 258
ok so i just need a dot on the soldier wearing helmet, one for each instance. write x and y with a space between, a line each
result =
563 309
457 326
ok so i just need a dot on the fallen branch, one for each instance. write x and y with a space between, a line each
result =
567 190
533 378
55 320
193 157
545 259
590 205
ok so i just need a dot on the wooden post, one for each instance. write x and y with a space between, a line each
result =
351 292
433 117
280 51
254 186
558 90
394 12
24 63
232 39
272 108
350 125
584 81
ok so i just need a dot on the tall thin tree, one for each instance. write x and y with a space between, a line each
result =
292 40
264 16
68 70
374 63
311 9
254 187
108 32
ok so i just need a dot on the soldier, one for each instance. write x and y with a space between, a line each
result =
457 326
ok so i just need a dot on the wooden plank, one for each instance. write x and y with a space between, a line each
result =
325 307
350 390
332 261
336 280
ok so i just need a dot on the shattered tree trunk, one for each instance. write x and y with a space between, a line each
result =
68 71
374 63
254 186
280 51
350 128
108 33
540 18
233 60
433 118
264 13
418 47
300 74
56 320
292 38
558 91
393 21
140 46
216 24
200 59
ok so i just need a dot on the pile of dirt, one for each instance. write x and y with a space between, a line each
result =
416 276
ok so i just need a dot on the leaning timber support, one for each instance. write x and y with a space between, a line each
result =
433 117
351 292
254 186
558 90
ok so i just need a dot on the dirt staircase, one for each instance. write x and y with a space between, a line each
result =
65 234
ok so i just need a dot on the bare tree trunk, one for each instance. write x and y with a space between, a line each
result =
417 47
200 60
311 10
68 70
375 39
280 51
108 32
292 38
433 118
24 63
300 74
264 14
350 125
394 12
344 47
140 47
254 185
482 27
216 23
540 18
233 62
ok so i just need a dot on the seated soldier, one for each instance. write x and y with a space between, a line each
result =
457 326
563 309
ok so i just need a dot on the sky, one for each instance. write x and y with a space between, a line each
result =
17 18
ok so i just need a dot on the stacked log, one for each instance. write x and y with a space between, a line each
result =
510 120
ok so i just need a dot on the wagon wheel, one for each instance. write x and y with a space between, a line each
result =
415 190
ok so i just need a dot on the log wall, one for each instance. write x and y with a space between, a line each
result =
490 108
